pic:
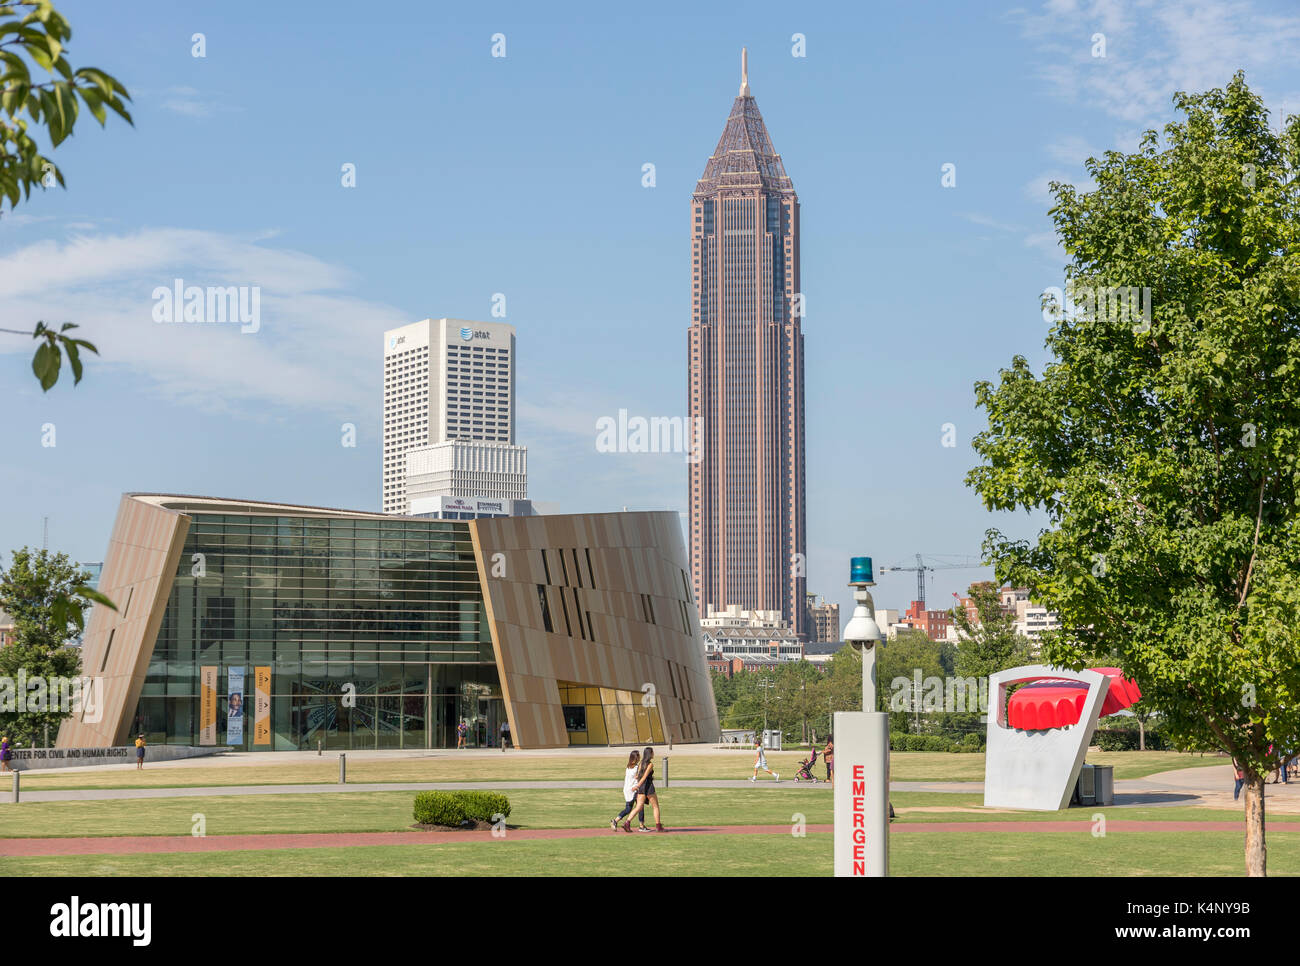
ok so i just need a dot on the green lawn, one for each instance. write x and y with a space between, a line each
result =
917 853
446 767
531 808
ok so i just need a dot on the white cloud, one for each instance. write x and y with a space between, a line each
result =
305 355
1039 189
985 221
1047 243
1154 48
20 219
1070 149
190 102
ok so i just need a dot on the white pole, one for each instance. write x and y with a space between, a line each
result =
869 679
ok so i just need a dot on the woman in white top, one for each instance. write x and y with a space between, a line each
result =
629 788
760 761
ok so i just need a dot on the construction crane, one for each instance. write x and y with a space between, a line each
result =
921 567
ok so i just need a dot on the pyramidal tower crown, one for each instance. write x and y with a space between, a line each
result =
744 157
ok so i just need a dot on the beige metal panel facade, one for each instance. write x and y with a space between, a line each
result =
639 640
139 567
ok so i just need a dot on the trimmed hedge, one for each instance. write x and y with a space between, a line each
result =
899 741
455 808
1126 739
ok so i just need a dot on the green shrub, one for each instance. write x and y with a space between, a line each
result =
484 806
902 741
453 808
1126 739
438 808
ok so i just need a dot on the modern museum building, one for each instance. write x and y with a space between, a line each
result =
268 627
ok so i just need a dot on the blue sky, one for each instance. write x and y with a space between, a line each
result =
522 175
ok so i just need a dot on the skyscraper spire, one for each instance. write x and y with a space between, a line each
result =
746 376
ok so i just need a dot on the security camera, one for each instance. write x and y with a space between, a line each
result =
862 632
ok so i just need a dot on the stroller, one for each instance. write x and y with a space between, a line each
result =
805 769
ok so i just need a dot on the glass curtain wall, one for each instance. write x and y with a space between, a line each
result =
374 631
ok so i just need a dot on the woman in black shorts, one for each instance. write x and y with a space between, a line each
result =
646 791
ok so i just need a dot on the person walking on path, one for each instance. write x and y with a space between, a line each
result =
6 752
505 734
760 761
645 789
139 753
1240 778
462 730
828 756
629 790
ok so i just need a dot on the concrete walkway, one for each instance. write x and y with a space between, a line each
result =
161 844
243 759
107 794
319 788
1209 786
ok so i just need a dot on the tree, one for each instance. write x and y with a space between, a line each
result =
842 682
799 692
1162 439
897 664
989 643
46 596
32 32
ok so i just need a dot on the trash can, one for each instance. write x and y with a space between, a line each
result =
1085 790
1104 783
772 740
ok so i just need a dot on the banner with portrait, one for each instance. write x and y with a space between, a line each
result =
235 705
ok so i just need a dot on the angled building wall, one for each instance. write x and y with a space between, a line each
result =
139 567
595 600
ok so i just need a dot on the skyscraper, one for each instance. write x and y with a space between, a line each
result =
746 376
444 380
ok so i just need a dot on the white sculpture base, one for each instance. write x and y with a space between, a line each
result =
1037 770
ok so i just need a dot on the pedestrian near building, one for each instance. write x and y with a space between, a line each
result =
505 734
462 730
645 789
629 790
1239 777
139 752
6 753
760 761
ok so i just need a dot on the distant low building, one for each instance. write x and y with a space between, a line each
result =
935 624
726 666
823 620
6 629
821 652
754 636
752 647
1032 620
